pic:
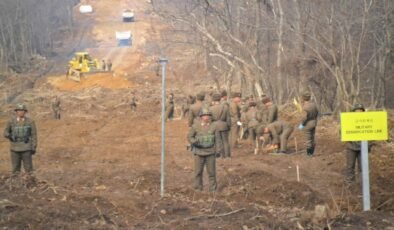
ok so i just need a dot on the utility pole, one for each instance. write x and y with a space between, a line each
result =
163 62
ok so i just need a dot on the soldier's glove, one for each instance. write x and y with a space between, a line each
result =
239 123
301 127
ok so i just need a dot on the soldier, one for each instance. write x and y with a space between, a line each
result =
202 136
353 153
235 116
195 109
109 65
309 122
103 66
186 106
271 110
223 99
170 107
251 122
278 132
221 115
133 103
56 108
21 131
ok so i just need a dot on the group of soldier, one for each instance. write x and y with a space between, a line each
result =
215 126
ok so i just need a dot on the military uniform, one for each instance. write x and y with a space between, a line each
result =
202 136
109 65
279 132
221 115
186 106
353 153
21 131
194 112
133 104
235 116
170 107
56 109
251 121
309 122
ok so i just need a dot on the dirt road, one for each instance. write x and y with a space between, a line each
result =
98 168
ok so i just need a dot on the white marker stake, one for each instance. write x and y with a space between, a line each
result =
298 172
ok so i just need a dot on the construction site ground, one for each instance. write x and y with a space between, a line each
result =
99 166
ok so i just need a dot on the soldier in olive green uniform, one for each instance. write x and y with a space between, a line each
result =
353 153
133 103
271 110
221 116
202 136
309 122
190 100
251 121
21 131
170 107
56 107
278 132
235 116
195 109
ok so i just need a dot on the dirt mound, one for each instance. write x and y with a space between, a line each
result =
104 80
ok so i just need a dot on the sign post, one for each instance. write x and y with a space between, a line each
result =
364 127
163 63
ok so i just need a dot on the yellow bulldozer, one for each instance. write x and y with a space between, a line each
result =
82 63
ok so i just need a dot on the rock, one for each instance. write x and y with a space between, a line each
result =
320 213
101 187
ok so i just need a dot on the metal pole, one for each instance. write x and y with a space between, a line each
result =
163 62
365 175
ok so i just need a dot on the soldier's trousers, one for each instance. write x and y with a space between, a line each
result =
352 156
284 137
56 114
210 162
224 144
309 130
252 134
234 134
17 158
169 112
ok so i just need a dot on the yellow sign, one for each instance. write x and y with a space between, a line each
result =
364 126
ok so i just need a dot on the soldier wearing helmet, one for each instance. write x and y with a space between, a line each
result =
21 131
309 122
203 136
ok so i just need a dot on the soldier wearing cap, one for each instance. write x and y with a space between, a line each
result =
21 131
235 116
221 116
190 100
133 103
251 121
309 122
223 98
170 107
278 134
203 136
56 108
271 110
353 153
195 109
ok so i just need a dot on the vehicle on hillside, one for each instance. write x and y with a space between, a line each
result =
128 16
